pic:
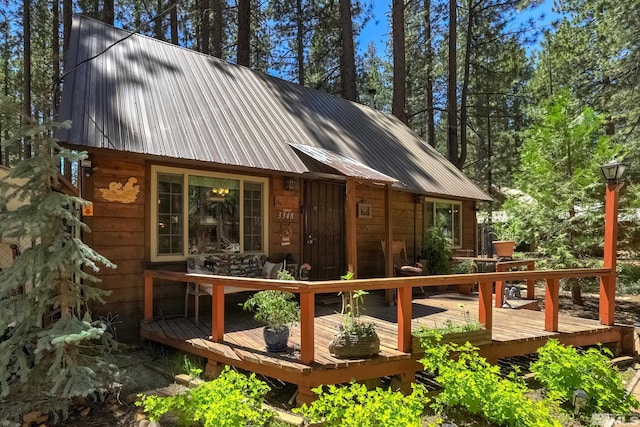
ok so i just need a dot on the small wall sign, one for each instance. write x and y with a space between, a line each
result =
87 210
286 215
117 192
364 210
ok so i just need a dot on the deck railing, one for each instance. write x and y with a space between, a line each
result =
403 285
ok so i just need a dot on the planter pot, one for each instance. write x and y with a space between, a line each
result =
276 340
504 248
353 346
477 338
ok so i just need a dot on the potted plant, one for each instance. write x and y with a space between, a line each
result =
355 338
506 240
279 310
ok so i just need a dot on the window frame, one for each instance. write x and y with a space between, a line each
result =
435 201
186 172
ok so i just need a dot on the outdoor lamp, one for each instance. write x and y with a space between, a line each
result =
613 171
580 398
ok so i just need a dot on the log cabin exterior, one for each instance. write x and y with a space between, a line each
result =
190 154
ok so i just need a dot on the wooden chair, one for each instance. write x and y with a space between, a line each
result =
401 265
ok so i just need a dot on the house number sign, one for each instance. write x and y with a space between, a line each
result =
286 215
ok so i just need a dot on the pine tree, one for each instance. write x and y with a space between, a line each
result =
49 349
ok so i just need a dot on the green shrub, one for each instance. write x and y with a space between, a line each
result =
470 382
230 400
436 249
562 369
628 279
355 406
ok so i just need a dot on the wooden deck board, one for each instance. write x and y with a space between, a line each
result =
514 331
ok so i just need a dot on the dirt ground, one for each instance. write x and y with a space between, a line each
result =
149 368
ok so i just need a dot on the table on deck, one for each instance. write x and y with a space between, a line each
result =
501 266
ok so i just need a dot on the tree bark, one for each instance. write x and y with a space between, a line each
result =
348 61
398 105
26 71
452 95
300 41
108 12
158 31
67 12
218 29
205 26
244 32
429 119
460 159
173 22
55 56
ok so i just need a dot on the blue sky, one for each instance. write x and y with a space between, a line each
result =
378 29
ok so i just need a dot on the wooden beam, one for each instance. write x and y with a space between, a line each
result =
388 242
551 305
531 284
608 283
404 319
148 295
307 327
500 285
217 313
351 230
485 313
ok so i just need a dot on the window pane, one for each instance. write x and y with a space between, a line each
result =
456 224
253 217
170 193
214 214
428 215
444 218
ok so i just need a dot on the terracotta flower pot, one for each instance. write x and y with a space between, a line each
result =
504 248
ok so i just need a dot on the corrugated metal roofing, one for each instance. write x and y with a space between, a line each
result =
148 96
342 164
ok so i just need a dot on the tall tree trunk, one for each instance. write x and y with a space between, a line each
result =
205 26
173 22
348 57
67 12
55 56
108 12
465 90
244 32
26 70
218 29
429 119
452 96
300 41
158 31
399 102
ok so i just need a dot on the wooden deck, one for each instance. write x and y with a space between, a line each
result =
514 332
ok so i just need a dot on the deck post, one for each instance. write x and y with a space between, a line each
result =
485 314
307 317
217 312
531 284
499 286
351 232
608 283
404 319
148 296
551 305
388 231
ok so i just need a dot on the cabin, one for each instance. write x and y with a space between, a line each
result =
190 155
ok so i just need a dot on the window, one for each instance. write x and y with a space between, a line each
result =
445 214
200 212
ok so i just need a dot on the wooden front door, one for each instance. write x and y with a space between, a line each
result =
324 229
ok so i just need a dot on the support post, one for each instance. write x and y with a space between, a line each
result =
485 314
388 227
404 319
217 313
499 286
351 231
307 317
551 305
531 284
148 296
608 283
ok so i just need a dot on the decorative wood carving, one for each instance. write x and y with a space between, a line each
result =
122 194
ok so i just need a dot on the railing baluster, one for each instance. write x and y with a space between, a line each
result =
404 319
307 329
217 312
485 313
551 305
531 284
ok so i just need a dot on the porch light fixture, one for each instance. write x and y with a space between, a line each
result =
580 399
86 167
613 171
290 184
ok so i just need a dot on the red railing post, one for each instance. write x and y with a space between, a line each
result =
217 312
148 295
484 305
307 327
551 306
608 283
404 319
499 286
531 284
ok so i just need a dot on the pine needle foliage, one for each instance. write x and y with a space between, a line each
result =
50 351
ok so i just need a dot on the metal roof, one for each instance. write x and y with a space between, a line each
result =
147 96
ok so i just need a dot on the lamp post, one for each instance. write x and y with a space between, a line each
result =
612 172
